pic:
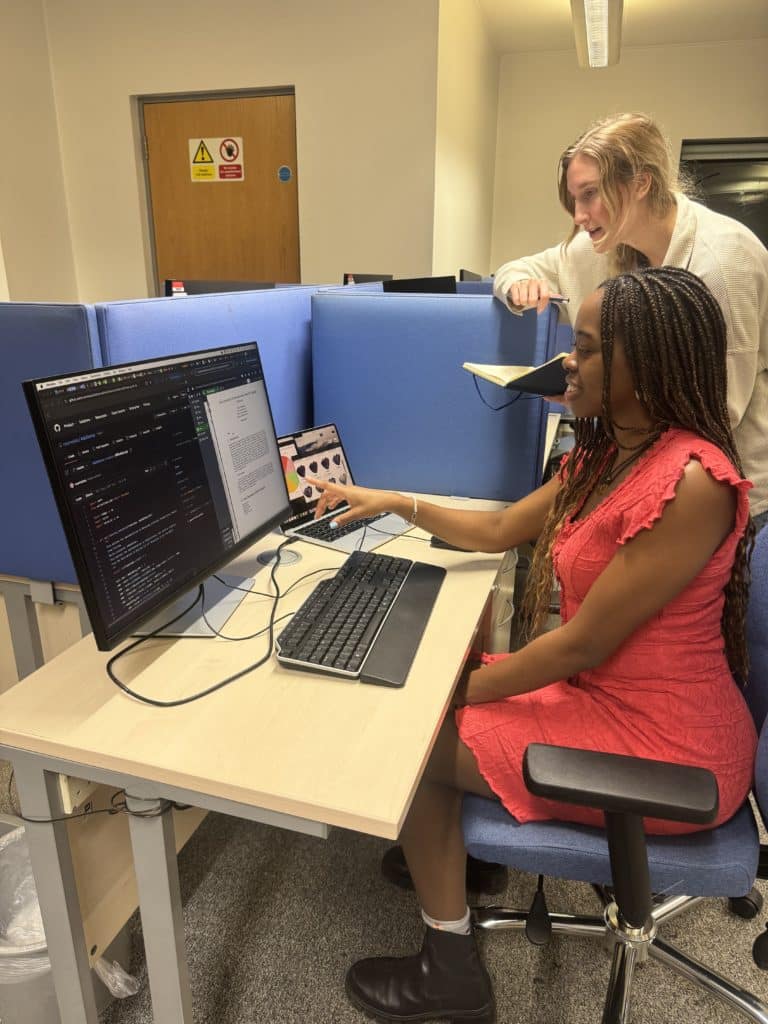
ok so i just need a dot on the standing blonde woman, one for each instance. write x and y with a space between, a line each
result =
619 184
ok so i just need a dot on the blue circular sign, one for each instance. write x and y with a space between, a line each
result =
284 173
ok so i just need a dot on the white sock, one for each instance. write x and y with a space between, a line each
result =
461 927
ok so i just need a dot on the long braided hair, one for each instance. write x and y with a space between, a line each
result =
674 339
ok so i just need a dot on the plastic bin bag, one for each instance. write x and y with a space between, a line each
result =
23 948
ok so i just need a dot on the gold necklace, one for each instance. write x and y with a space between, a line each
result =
607 478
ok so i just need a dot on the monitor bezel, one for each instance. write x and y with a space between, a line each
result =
444 284
106 639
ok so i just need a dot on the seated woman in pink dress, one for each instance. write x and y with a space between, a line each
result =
647 529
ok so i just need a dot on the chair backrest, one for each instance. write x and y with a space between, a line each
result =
756 690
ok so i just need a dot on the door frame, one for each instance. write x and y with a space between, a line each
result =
140 147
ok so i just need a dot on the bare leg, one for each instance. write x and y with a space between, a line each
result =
447 978
431 837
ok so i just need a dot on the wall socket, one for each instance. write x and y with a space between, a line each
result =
75 792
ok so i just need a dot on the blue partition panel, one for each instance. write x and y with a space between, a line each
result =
475 287
278 319
387 369
37 339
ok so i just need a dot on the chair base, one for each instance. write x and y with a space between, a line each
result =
630 947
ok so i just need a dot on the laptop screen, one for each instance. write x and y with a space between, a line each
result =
316 452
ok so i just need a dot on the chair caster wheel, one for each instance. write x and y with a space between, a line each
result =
748 906
760 951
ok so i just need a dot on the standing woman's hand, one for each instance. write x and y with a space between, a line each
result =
530 292
362 501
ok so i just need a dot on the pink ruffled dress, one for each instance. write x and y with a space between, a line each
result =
666 693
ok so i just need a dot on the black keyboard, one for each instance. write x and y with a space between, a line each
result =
366 622
322 530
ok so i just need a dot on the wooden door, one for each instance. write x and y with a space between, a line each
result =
223 188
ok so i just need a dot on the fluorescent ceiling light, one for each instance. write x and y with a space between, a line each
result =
597 28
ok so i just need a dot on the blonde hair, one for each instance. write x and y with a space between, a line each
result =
624 146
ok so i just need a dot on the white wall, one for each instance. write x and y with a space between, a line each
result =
365 78
713 90
465 156
36 259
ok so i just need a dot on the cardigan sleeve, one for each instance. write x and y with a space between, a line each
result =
736 272
544 265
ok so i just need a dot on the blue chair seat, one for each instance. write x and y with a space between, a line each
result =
720 862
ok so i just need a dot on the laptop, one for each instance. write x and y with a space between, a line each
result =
319 453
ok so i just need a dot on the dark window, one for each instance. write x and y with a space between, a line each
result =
731 177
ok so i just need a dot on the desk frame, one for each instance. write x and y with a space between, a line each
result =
154 852
20 598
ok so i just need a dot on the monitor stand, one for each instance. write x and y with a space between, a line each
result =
220 603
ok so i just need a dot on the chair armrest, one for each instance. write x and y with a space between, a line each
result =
621 784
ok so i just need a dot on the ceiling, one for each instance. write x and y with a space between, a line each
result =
524 25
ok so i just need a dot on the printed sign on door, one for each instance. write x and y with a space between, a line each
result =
217 159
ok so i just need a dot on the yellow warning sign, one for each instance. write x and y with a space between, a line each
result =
202 156
219 160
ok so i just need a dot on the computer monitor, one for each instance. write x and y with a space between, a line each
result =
206 287
162 470
435 285
364 278
469 275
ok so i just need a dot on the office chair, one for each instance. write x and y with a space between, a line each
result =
716 862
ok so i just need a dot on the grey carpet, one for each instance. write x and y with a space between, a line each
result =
273 919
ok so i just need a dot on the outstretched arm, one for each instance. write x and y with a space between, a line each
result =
475 531
643 576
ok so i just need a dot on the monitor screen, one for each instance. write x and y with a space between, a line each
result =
162 470
435 285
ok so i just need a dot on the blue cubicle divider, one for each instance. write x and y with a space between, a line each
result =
278 319
388 370
484 287
37 339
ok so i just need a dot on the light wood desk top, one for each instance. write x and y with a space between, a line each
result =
314 746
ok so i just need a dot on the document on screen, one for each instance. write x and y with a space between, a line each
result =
246 449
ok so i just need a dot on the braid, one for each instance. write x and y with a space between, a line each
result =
674 339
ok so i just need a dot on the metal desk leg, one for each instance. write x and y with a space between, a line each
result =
157 876
57 892
25 633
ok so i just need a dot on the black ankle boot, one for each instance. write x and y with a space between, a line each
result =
482 876
446 980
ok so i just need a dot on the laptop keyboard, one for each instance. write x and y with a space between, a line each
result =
367 621
321 529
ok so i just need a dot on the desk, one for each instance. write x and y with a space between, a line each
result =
298 750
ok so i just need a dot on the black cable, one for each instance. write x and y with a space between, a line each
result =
329 568
498 408
223 682
405 536
251 636
245 590
113 808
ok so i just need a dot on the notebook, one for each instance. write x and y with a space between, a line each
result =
319 453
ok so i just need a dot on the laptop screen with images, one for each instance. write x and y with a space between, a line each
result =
318 453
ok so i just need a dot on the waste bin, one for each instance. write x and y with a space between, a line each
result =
27 994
